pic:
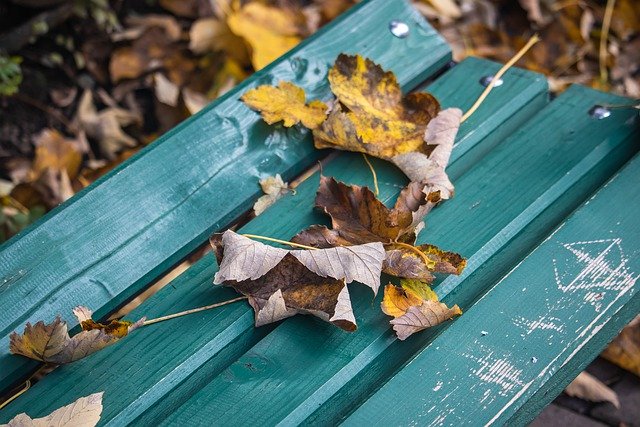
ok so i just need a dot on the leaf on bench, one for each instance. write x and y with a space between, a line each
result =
286 103
280 283
52 344
414 307
372 116
84 412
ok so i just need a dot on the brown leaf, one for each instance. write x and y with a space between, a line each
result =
214 35
286 103
427 315
372 116
280 283
588 387
84 412
51 343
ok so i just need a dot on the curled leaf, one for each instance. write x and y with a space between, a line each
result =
274 188
280 283
84 412
372 116
51 342
285 103
588 387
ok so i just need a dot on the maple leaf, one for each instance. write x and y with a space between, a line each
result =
285 103
372 116
84 412
52 344
269 31
280 283
414 307
358 217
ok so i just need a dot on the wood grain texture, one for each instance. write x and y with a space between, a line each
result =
543 323
152 373
313 374
111 240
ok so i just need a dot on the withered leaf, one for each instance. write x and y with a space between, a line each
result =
274 188
280 283
358 217
84 412
414 307
587 387
624 350
51 343
372 116
286 103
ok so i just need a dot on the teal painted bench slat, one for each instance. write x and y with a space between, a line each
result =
187 352
543 323
110 241
305 372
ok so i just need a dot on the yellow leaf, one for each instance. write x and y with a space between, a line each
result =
419 289
624 350
269 31
397 301
54 151
376 118
285 103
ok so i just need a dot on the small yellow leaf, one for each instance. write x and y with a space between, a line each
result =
285 103
372 116
419 289
397 301
269 31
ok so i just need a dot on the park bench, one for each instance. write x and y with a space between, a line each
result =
546 211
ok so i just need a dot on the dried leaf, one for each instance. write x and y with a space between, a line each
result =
280 283
418 318
167 92
106 126
269 31
211 35
588 387
286 103
51 343
624 350
372 116
84 412
274 188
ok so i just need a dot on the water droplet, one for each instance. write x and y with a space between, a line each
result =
399 29
599 112
487 79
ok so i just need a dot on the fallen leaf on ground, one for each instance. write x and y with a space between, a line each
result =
286 103
106 126
213 35
280 283
358 217
414 307
372 116
166 91
269 31
84 412
624 350
274 188
51 343
588 387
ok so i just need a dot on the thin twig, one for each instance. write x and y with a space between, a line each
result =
373 172
193 310
27 385
533 40
282 242
604 35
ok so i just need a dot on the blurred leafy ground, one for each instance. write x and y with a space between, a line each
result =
84 84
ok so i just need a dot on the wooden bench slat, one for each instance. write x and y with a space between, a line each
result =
111 240
544 322
301 366
165 362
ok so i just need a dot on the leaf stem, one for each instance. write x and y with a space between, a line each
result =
373 172
533 40
604 36
415 250
27 385
193 310
282 242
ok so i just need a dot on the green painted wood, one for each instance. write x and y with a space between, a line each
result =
544 321
147 376
111 240
307 373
